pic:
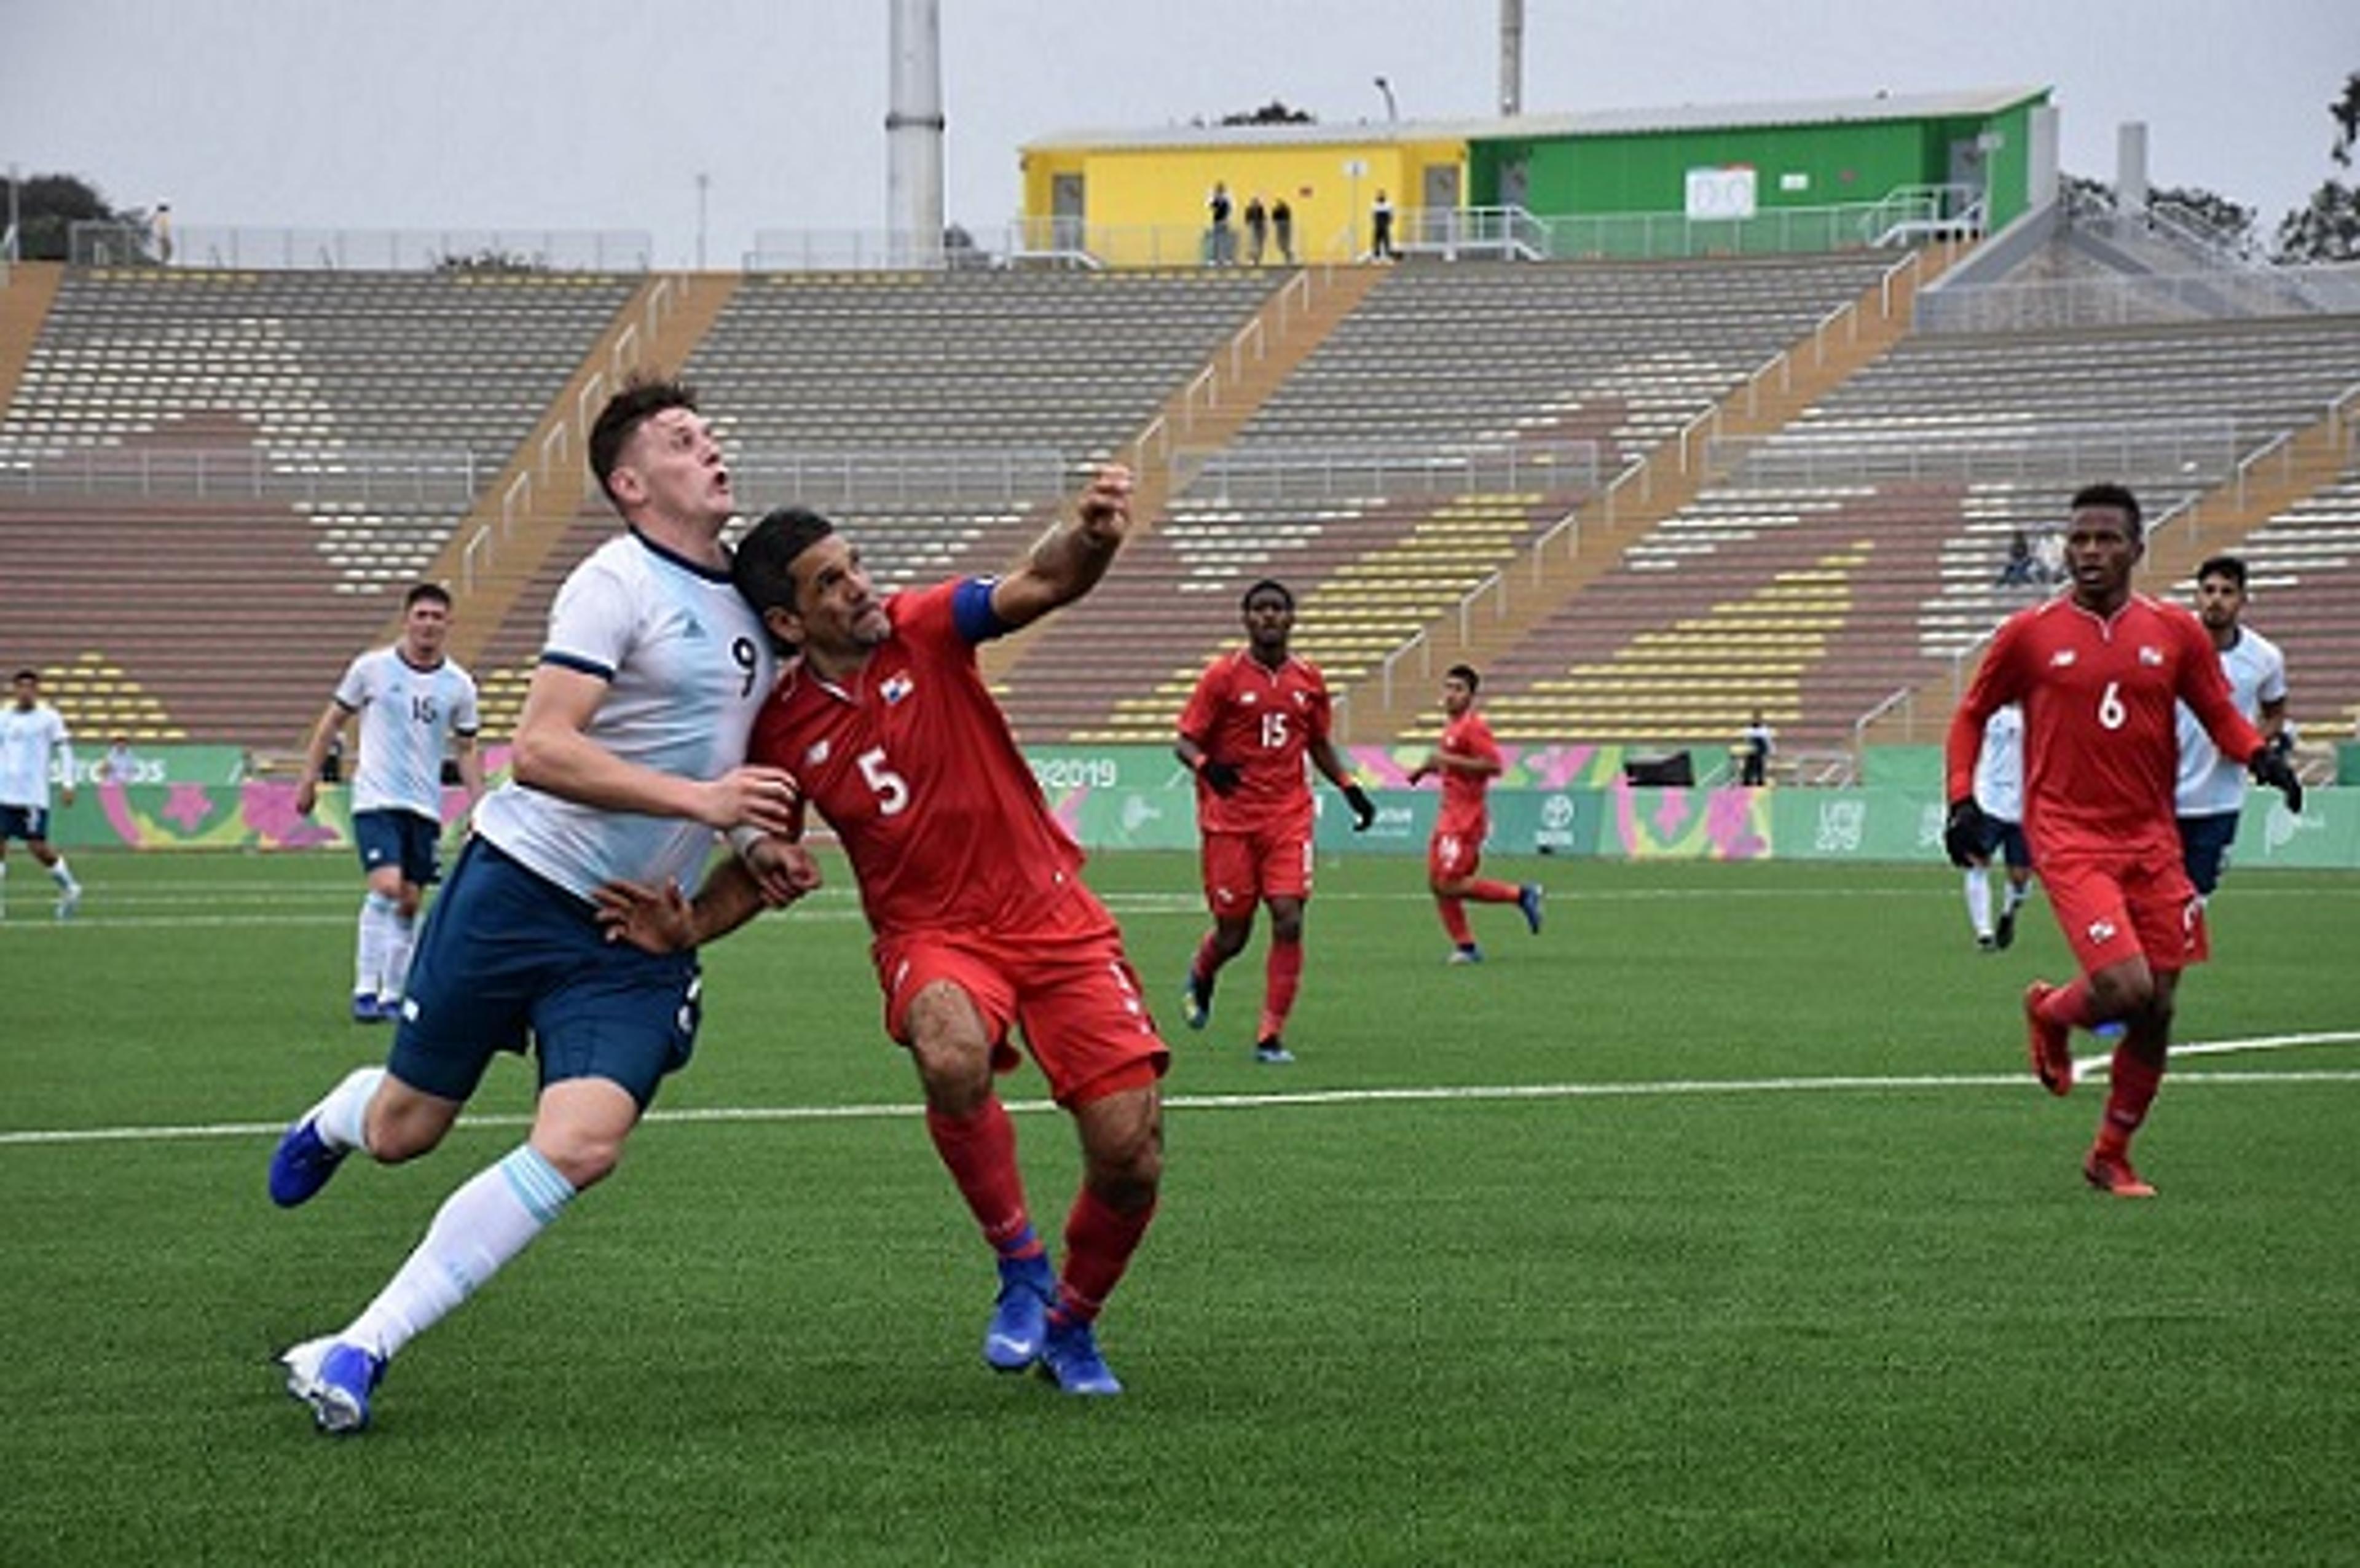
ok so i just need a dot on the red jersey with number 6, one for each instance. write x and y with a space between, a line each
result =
2101 750
1262 722
913 764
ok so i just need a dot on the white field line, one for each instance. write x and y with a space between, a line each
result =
1655 1089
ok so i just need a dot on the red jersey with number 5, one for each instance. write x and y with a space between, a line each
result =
913 764
1262 722
2101 750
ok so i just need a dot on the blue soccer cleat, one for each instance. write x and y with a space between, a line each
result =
366 1010
1069 1354
1020 1315
388 1009
335 1379
1272 1052
1471 953
301 1164
1195 1004
1528 899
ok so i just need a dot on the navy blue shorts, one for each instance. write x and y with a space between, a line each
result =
2204 848
30 823
394 837
506 956
2003 840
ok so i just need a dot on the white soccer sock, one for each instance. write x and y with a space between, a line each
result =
478 1228
61 876
400 939
1979 898
342 1117
368 951
2018 893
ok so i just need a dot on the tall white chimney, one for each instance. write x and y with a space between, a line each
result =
913 134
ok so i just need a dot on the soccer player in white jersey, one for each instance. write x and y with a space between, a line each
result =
414 704
33 736
630 757
2210 789
1999 790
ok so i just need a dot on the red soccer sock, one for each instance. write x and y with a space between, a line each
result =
1099 1240
1281 974
1490 892
2070 1005
979 1151
2132 1086
1208 961
1454 920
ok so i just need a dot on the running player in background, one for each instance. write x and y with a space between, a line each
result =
1468 759
2098 671
973 893
1256 713
628 759
2212 788
32 739
1999 794
414 704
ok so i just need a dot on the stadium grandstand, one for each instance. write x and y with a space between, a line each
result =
1656 453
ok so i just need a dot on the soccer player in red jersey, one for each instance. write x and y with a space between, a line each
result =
1256 713
973 893
1468 759
2098 671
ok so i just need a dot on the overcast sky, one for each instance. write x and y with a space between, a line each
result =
601 113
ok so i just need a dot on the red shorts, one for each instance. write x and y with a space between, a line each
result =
1242 869
2121 904
1067 984
1454 852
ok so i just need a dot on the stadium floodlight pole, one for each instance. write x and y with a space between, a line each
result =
704 183
16 183
1393 114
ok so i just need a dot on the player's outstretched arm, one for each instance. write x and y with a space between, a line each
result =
1067 562
555 754
661 920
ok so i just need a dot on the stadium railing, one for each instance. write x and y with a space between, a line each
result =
2134 301
484 251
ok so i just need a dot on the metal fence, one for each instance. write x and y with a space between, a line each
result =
1340 472
856 479
447 478
483 251
2220 294
2200 451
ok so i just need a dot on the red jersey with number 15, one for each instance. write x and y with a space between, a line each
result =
911 763
1262 722
2100 749
1464 811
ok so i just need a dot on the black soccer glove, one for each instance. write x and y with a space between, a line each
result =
2270 767
1221 778
1364 811
1965 833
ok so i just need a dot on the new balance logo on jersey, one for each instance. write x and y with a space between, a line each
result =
2060 658
2151 657
816 753
895 688
2102 931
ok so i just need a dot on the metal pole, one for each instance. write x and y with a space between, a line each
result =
704 183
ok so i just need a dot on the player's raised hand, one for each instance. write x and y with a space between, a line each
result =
751 797
1105 507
